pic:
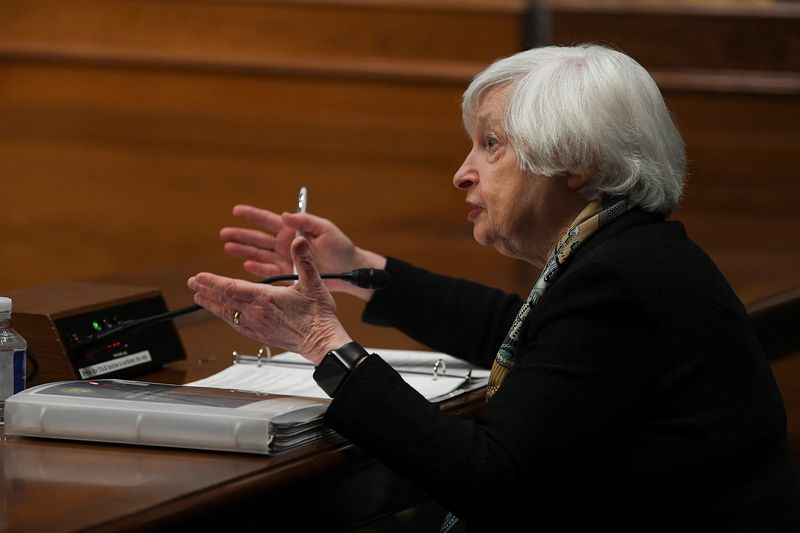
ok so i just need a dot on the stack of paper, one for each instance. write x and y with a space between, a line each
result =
435 375
156 414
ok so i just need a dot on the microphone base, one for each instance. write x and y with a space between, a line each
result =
53 317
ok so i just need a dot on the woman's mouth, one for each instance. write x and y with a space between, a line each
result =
473 212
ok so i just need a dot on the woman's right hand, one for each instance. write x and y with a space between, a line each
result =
266 253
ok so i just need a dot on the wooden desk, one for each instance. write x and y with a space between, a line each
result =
62 486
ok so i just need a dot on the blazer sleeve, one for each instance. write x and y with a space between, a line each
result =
451 315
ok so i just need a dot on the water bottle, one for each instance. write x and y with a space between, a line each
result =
12 357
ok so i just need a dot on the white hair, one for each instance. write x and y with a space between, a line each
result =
570 109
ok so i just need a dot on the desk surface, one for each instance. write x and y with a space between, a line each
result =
62 486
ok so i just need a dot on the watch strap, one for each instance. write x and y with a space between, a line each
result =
335 367
351 353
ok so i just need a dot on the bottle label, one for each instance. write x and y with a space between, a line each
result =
19 371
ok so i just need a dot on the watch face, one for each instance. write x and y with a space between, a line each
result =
330 373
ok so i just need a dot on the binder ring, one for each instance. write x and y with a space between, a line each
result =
264 355
264 350
439 368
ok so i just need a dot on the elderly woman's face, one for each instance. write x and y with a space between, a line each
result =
521 215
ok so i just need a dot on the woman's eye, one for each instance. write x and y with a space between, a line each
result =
491 141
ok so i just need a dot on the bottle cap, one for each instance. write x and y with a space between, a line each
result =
5 308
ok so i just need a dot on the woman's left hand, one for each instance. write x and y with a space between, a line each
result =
301 318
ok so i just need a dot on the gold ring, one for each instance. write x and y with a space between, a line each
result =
236 315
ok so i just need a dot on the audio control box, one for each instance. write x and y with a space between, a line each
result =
55 317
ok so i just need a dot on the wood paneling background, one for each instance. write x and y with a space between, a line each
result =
128 129
731 76
131 128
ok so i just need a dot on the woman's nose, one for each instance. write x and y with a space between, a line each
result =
466 176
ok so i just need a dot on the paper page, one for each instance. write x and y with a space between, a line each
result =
423 361
408 360
291 374
269 377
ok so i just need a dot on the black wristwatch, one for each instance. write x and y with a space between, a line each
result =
336 366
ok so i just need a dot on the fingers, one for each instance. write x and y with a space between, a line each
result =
281 226
266 270
225 312
274 222
227 299
259 217
250 237
250 253
306 269
260 263
223 291
309 224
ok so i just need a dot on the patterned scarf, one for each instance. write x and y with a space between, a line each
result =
593 217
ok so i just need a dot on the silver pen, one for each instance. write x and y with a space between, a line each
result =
302 207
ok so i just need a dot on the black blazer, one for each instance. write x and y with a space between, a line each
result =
641 400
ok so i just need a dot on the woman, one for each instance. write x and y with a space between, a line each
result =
627 392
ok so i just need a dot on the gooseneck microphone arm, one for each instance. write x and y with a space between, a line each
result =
367 278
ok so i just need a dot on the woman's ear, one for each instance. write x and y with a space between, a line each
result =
578 179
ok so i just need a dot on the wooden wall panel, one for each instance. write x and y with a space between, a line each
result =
435 38
663 34
730 74
130 129
740 196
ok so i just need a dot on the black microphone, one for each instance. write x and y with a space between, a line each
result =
366 278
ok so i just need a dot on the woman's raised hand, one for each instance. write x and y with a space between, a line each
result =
301 318
266 251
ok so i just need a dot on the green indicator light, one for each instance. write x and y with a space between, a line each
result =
96 326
